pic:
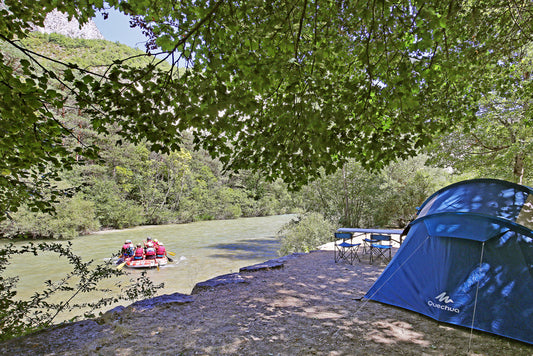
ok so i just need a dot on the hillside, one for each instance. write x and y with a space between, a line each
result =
86 53
121 183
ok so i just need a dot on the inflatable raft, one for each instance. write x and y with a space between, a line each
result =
131 263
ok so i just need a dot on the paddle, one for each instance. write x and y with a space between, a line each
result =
119 267
171 253
170 259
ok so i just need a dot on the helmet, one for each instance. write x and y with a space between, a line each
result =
148 238
160 244
150 244
128 241
139 245
156 240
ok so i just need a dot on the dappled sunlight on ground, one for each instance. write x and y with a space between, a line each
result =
309 307
394 331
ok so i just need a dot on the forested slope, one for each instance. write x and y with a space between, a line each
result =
128 184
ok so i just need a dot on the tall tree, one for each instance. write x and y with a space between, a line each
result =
500 144
282 87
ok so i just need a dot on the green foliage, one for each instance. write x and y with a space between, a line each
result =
500 145
73 217
85 53
395 74
18 316
407 184
229 203
354 197
305 234
112 208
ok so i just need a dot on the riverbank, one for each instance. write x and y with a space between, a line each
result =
310 306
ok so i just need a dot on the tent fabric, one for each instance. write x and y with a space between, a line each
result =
489 197
467 260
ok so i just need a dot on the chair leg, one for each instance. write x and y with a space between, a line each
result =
347 252
356 253
380 253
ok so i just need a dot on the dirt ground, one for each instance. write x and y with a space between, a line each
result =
309 307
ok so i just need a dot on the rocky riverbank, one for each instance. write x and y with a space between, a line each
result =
302 305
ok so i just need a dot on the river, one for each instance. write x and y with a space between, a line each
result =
203 250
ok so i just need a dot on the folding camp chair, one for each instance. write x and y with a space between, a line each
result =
344 248
367 241
380 248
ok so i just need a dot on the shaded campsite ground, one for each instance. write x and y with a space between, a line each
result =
308 307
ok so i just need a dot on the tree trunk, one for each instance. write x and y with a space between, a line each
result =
518 169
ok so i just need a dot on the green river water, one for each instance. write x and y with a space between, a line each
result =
203 250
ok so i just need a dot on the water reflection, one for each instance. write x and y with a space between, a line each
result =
247 249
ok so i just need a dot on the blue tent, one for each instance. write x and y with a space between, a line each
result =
468 259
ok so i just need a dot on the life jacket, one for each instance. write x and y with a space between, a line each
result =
150 252
160 251
129 251
139 253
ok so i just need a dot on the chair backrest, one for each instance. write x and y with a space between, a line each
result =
343 235
381 238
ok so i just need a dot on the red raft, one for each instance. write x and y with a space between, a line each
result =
131 263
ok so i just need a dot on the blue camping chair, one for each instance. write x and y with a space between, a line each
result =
344 248
367 241
380 247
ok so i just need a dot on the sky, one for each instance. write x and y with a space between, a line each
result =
117 29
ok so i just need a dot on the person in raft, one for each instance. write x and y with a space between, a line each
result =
139 252
127 249
150 251
160 251
148 241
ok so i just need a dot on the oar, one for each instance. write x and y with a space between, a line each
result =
119 267
171 253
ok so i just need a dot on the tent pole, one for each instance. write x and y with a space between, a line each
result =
475 300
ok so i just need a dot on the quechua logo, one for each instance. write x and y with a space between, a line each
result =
442 302
444 298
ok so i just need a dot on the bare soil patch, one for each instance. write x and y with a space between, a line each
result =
309 307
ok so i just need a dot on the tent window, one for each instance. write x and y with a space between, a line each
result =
525 217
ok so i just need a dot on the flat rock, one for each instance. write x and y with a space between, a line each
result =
225 279
147 304
111 315
270 264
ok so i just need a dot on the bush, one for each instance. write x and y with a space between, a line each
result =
74 216
305 234
112 208
18 316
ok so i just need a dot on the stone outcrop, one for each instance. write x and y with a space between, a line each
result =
143 305
231 278
225 279
58 22
146 304
270 264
